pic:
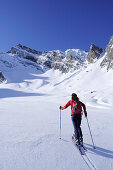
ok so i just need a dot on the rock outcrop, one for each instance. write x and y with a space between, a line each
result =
22 47
108 57
71 59
94 53
2 78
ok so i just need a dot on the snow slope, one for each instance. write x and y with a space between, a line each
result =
29 119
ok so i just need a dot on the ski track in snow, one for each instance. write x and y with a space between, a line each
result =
89 162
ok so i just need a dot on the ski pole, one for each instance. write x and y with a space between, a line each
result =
90 133
60 124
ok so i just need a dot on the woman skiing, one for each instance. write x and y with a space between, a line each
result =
76 115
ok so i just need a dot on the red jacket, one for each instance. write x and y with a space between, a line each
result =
79 106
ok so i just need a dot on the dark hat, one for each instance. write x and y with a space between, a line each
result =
74 94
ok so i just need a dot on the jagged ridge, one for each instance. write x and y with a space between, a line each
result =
69 60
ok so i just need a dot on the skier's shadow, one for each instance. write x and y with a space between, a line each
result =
100 151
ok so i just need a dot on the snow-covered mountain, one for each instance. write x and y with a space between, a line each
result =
71 59
21 62
29 109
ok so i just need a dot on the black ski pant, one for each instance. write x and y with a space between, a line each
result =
76 120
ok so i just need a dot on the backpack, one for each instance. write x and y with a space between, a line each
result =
76 108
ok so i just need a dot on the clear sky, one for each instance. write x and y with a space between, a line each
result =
55 24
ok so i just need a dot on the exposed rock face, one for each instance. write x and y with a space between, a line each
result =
2 78
25 52
22 47
71 59
94 53
108 59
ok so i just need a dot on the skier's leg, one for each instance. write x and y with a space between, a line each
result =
74 121
79 128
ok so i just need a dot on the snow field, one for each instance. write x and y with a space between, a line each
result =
29 119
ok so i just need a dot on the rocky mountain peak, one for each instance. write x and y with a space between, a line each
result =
71 59
108 57
94 53
65 61
17 48
29 49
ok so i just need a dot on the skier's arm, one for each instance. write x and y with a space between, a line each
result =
67 105
84 108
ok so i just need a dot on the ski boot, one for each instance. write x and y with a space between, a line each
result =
81 141
77 142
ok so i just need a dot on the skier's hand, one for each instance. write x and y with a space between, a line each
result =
85 114
60 107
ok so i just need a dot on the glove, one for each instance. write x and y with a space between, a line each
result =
85 114
60 107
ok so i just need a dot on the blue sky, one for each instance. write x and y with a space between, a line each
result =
55 24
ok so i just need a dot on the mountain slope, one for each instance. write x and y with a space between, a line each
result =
71 59
30 120
29 76
30 115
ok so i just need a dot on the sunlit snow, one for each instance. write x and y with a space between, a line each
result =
30 115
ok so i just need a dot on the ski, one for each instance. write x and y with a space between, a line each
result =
77 146
83 147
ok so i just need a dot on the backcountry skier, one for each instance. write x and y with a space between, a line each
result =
76 116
